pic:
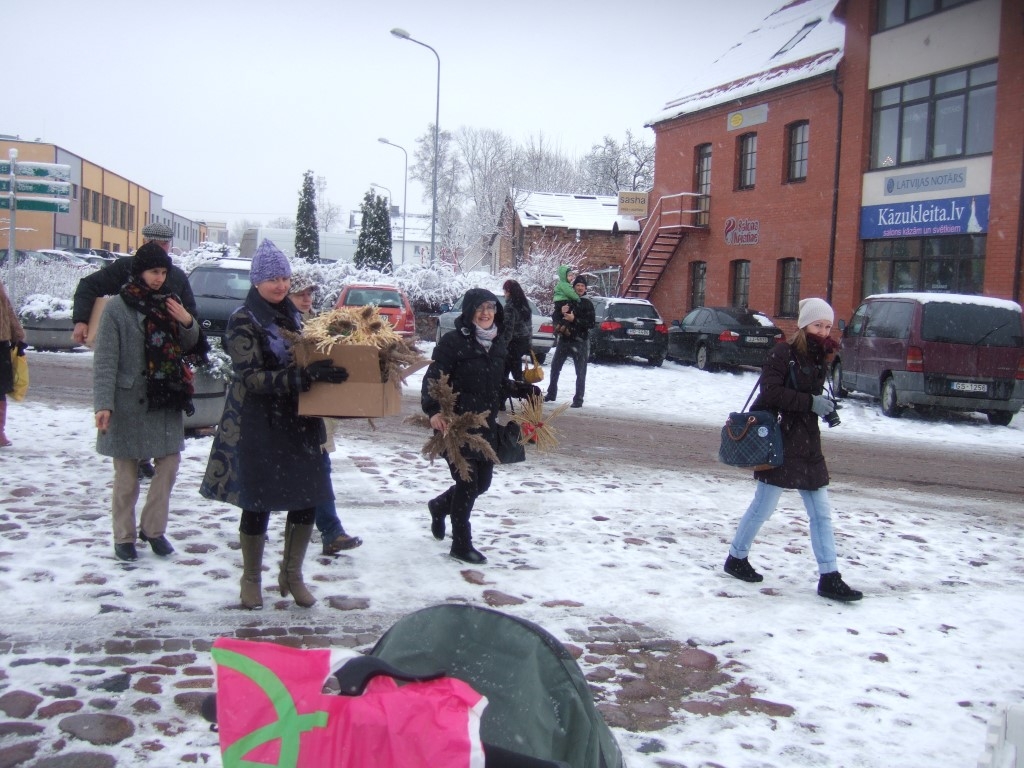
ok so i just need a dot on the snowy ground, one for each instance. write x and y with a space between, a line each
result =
909 676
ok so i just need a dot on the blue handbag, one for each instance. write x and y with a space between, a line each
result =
751 439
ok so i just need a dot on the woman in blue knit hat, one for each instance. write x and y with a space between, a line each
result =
265 457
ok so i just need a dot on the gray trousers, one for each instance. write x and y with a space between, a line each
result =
153 519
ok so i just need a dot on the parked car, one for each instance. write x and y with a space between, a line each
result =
21 256
58 256
92 254
543 332
959 352
220 286
391 303
710 337
627 328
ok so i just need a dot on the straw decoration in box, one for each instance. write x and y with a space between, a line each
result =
364 326
535 426
458 435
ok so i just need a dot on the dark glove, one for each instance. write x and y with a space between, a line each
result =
325 371
521 390
21 347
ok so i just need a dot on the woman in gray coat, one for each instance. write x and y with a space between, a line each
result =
141 385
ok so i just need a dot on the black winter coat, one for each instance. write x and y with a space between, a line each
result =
788 381
265 457
109 280
477 375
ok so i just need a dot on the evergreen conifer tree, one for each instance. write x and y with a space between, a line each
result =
373 250
307 235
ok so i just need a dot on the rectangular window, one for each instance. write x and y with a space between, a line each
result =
894 13
74 191
124 215
96 206
698 283
954 264
87 242
131 218
740 283
106 212
947 115
702 185
799 134
789 288
85 204
748 161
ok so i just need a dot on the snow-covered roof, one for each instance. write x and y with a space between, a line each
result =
799 40
598 213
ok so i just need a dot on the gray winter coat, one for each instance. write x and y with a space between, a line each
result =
119 386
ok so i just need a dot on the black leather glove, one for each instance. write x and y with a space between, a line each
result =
21 346
521 390
325 371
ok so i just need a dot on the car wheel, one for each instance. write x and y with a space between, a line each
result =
703 358
655 361
837 380
1000 418
890 405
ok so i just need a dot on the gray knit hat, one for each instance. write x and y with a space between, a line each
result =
157 231
267 263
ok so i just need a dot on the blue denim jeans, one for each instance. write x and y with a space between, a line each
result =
579 351
766 498
326 514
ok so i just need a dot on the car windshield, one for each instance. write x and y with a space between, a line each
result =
360 297
988 326
220 283
630 311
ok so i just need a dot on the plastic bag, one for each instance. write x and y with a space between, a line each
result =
20 365
271 710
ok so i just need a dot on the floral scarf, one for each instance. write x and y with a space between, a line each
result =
168 379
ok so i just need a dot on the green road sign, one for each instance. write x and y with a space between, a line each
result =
5 203
5 167
5 185
54 188
43 204
43 170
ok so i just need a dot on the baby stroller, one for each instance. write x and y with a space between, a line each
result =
539 711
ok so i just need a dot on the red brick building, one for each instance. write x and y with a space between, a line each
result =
842 149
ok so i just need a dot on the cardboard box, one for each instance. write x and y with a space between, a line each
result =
364 394
94 321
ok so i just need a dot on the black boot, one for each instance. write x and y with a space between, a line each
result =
832 586
741 568
440 508
462 543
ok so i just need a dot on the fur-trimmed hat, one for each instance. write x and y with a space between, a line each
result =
157 231
267 263
150 256
813 310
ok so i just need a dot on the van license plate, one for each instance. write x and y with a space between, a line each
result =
968 386
637 332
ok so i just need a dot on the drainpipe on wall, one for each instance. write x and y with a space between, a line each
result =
1019 257
835 186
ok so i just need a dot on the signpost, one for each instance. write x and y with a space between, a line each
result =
43 187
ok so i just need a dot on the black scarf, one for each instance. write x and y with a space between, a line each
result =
168 379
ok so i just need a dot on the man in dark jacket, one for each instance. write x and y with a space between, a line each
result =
108 281
572 322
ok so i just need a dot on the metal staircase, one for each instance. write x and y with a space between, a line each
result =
664 229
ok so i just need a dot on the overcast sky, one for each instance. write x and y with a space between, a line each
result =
221 106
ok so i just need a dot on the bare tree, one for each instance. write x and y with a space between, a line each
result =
610 166
543 167
239 227
327 212
281 222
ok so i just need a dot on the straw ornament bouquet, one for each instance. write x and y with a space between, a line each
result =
535 426
459 434
364 326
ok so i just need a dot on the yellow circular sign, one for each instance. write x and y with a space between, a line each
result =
735 120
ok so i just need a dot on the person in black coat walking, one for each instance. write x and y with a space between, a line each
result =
473 357
792 382
518 326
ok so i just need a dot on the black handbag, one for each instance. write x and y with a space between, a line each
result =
510 451
751 439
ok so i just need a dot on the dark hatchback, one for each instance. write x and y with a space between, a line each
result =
710 337
627 328
220 287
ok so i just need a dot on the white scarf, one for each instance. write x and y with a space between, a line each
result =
486 335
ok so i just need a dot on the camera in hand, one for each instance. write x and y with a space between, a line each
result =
832 418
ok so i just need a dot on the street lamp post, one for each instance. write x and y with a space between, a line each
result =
405 191
402 34
381 186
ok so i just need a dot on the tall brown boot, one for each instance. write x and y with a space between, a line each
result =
252 571
296 539
3 423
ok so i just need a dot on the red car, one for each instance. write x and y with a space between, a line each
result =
390 301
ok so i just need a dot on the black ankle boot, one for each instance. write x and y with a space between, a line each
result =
741 568
832 586
439 508
462 543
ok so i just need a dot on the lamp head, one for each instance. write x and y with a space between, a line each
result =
399 32
382 140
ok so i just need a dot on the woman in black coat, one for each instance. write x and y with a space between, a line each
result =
265 457
473 356
792 381
519 327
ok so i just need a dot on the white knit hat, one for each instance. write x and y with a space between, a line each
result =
813 310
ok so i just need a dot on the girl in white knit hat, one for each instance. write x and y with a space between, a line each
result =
792 383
